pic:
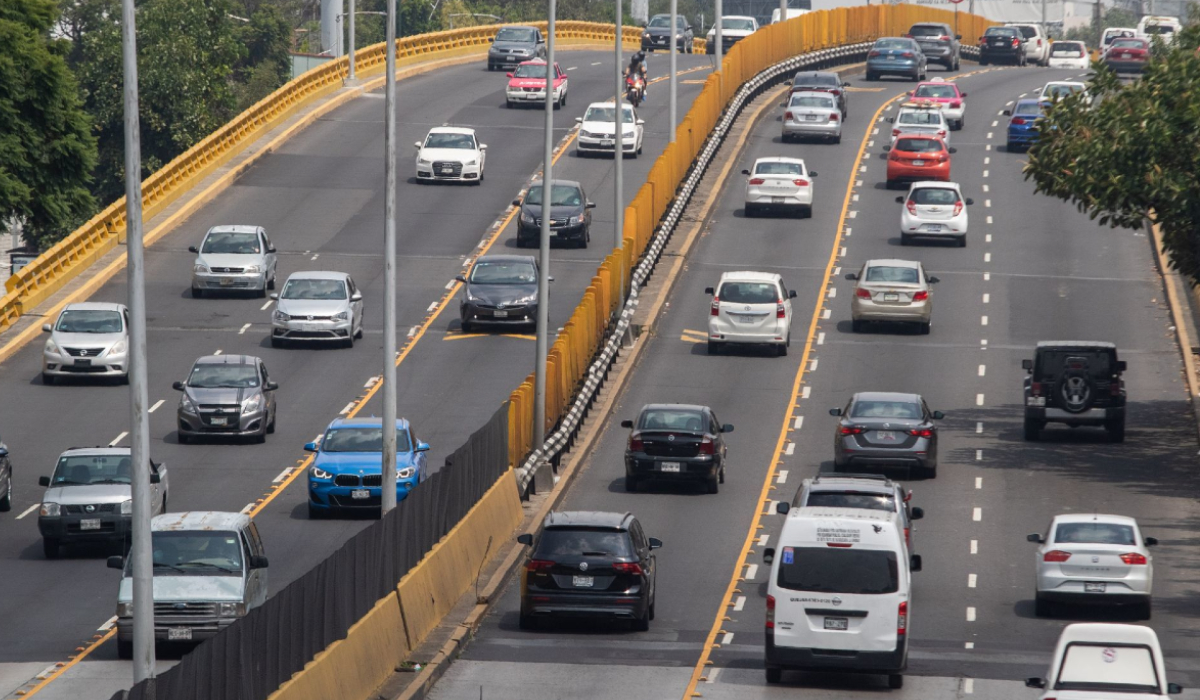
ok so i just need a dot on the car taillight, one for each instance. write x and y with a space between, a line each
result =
908 36
958 207
1035 388
1114 388
908 537
836 93
872 54
707 446
851 430
906 54
1016 42
1056 555
1039 42
780 311
636 444
1134 559
631 568
943 38
894 156
716 306
956 104
1019 121
902 619
911 206
921 432
895 132
788 116
942 133
833 116
770 612
920 296
799 182
862 293
537 565
757 181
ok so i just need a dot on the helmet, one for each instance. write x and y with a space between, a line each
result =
639 56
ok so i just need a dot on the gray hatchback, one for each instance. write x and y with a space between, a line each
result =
938 42
227 395
886 428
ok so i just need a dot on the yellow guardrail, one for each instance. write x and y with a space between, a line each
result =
87 244
583 334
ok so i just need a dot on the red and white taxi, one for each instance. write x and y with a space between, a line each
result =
948 96
527 85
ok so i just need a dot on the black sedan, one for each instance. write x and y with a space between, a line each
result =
500 290
657 34
570 214
880 428
675 442
1002 45
589 564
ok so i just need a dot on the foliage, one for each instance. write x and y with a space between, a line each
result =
1135 153
46 149
266 63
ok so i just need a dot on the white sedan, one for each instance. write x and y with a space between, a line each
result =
1061 89
779 183
450 153
598 128
1093 559
934 210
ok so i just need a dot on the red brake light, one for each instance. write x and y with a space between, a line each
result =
833 116
1016 42
1134 559
537 565
1056 555
908 36
788 116
958 207
1035 388
798 182
895 132
862 293
851 430
872 54
906 54
921 432
912 207
1039 42
956 104
1114 387
942 133
716 306
894 155
943 38
1018 121
770 612
846 545
780 310
636 444
836 92
633 569
707 446
757 181
902 618
920 296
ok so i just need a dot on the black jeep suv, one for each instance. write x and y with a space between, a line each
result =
1077 383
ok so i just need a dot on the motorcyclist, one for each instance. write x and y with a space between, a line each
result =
637 66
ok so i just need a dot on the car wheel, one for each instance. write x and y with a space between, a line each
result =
857 326
6 501
1042 607
713 484
260 437
631 484
923 328
904 239
1033 429
197 293
749 211
557 105
508 104
962 241
315 513
183 438
50 547
564 99
276 342
642 624
1116 431
837 139
271 425
714 347
895 681
982 61
1145 610
721 474
47 379
774 675
527 622
260 293
271 282
651 608
782 350
124 649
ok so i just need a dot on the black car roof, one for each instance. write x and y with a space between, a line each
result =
676 406
1075 345
588 518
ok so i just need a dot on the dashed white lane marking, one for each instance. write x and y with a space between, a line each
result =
994 124
979 427
711 675
987 160
432 306
875 131
28 510
987 257
348 408
971 580
598 63
977 514
987 203
751 571
870 144
1006 104
983 320
812 366
854 198
969 683
728 638
988 238
989 219
853 215
283 475
246 510
825 313
804 394
987 147
837 271
739 603
983 342
974 546
858 183
798 423
820 341
987 276
118 438
971 614
770 509
217 351
1021 95
782 477
243 329
371 382
985 174
978 455
987 298
862 169
989 135
978 399
842 252
832 292
413 330
577 67
791 449
849 230
315 256
267 305
155 406
108 624
763 539
986 188
982 370
979 479
969 645
451 283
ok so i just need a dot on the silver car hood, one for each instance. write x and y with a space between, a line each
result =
312 307
92 493
172 587
229 259
86 340
220 395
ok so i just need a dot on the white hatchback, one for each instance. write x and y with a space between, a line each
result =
1071 55
750 307
779 183
927 120
1088 558
934 210
1100 661
1061 89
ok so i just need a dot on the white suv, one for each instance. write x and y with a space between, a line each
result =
1037 44
750 307
934 210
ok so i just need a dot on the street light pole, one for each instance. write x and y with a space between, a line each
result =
720 51
674 105
543 307
353 43
142 554
619 150
783 7
388 497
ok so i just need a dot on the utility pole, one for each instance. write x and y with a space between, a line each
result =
783 7
353 43
141 552
619 151
1045 31
674 49
543 309
720 50
387 500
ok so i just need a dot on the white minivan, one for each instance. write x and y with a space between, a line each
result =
839 596
750 307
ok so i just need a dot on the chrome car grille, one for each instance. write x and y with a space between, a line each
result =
83 352
310 318
82 509
220 408
185 609
553 222
446 168
228 270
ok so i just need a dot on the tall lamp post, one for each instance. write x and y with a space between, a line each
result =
543 308
619 149
387 500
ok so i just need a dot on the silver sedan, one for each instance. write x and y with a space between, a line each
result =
895 291
886 428
812 114
234 258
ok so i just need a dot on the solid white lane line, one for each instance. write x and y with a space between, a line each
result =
820 341
987 298
978 399
977 514
971 614
782 477
728 638
739 603
974 546
791 449
118 438
982 370
983 320
979 479
804 394
979 427
283 475
243 330
751 571
267 305
28 510
971 580
798 423
155 406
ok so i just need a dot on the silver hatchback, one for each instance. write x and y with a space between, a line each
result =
234 258
88 339
226 396
317 306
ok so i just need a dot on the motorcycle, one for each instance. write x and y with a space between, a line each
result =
635 89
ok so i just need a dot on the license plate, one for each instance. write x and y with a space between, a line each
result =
1094 587
778 200
606 142
308 327
533 96
669 467
179 634
90 524
889 435
225 282
360 494
933 228
500 314
447 171
891 58
583 581
837 623
810 117
743 319
1126 55
219 420
918 162
83 363
891 297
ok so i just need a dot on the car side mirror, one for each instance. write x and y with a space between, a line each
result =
258 561
813 173
933 280
193 249
1174 689
938 415
655 543
357 296
177 386
914 563
116 562
46 328
640 122
310 447
509 74
1121 365
962 94
917 513
891 120
1035 683
589 205
969 201
271 386
460 278
417 144
1150 541
835 411
746 173
525 538
900 199
271 249
727 428
627 424
783 507
43 481
709 291
422 447
516 202
1008 112
952 149
768 555
578 120
549 279
958 37
275 296
491 39
852 276
846 84
910 94
1034 538
887 148
791 294
1027 365
155 478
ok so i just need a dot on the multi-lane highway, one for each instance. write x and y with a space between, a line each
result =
321 199
1035 269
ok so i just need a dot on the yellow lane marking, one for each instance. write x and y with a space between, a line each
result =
703 334
688 339
463 336
789 418
862 89
74 660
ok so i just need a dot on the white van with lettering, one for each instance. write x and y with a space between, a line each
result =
839 596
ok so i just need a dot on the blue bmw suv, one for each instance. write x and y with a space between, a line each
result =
347 472
1022 118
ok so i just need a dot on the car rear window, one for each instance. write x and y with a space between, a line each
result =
1108 667
574 541
517 34
1094 533
928 30
1001 31
822 79
851 499
1027 31
1053 362
918 145
900 44
1028 109
1066 48
938 91
934 196
903 410
812 101
361 439
681 419
838 570
749 293
884 273
926 117
1129 44
778 168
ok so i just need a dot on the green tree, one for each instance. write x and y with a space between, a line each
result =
46 148
1134 154
266 63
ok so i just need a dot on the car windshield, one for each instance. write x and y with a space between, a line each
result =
1059 91
923 117
817 79
1129 44
662 22
1108 667
749 293
893 44
557 542
313 289
737 24
812 101
231 243
936 91
515 272
681 419
918 145
608 114
775 167
445 140
904 410
517 34
838 570
934 196
83 470
884 273
1065 48
361 439
531 70
1027 31
190 553
88 321
849 499
1094 533
1001 31
219 376
1028 109
1159 29
560 195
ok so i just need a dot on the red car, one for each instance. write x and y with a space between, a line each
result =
1127 55
945 94
527 85
913 158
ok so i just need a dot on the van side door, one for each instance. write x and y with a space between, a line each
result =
256 579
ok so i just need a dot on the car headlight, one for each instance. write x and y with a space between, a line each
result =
472 162
342 316
252 404
124 609
280 317
319 473
52 346
532 297
423 162
253 269
526 217
198 267
576 220
118 348
127 507
646 35
405 473
231 609
51 510
186 405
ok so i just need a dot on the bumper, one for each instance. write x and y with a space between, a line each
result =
913 173
217 282
918 455
508 59
836 659
950 228
685 469
664 43
826 129
1070 63
236 426
522 96
867 310
532 234
66 366
514 315
886 67
727 43
601 145
327 496
313 330
726 332
470 173
1092 416
938 54
69 528
553 604
200 630
1001 55
1022 137
953 114
1126 66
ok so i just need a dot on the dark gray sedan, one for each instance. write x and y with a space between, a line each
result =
886 428
658 34
570 214
501 290
514 45
675 442
227 396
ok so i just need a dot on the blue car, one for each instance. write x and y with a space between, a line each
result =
896 56
1022 132
347 473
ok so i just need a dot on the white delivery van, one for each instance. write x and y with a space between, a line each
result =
1164 27
839 596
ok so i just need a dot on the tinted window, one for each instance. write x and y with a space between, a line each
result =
197 553
226 242
899 44
1028 109
1001 31
660 22
361 439
680 419
838 570
88 321
1094 533
926 117
1129 44
1027 32
749 293
939 91
313 289
886 409
569 542
1066 48
924 30
842 499
441 140
737 24
882 273
918 145
92 469
486 272
218 376
824 80
812 101
608 114
1159 29
560 195
778 168
1055 361
934 196
517 34
531 70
